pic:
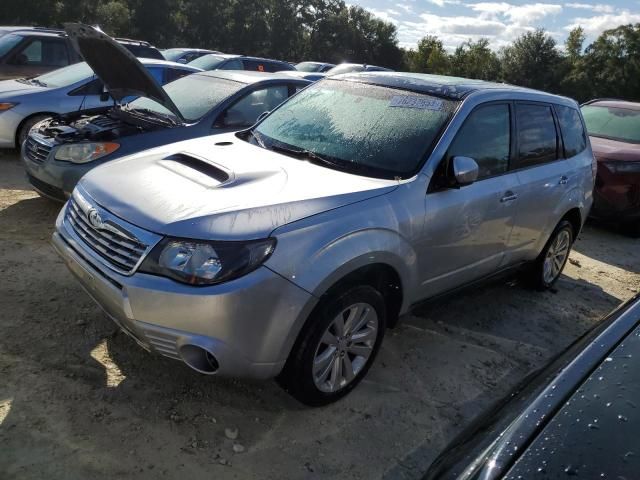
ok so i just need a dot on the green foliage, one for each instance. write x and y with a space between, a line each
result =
335 31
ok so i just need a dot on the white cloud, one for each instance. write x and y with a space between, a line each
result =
599 8
386 15
518 14
405 7
442 3
594 26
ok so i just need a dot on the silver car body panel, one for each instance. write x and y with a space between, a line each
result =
327 225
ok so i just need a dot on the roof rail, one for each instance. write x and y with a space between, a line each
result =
38 29
140 42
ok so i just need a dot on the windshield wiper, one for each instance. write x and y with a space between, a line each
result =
164 117
40 83
259 141
313 157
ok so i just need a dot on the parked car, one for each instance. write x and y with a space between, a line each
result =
355 68
32 51
614 129
240 62
287 249
577 417
25 102
314 67
185 55
60 150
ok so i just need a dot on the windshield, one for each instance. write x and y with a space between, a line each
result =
309 67
385 131
194 95
66 76
172 54
207 62
616 123
346 68
7 42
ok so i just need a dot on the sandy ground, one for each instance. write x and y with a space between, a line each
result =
80 400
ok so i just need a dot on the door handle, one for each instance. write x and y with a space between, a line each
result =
563 180
509 197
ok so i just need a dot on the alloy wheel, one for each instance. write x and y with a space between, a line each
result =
345 347
556 256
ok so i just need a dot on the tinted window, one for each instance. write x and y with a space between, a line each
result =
573 136
143 51
233 64
45 52
246 111
254 65
94 87
176 73
537 142
7 42
485 137
615 123
391 137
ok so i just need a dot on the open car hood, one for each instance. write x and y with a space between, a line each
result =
121 72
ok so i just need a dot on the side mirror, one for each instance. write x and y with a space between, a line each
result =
465 170
262 115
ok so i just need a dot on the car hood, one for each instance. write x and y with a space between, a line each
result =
13 87
121 72
223 188
607 149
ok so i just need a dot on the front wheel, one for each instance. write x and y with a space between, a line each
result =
554 256
336 347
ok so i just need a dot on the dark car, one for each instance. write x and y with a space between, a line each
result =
240 62
614 130
578 417
355 68
31 51
60 150
185 55
314 67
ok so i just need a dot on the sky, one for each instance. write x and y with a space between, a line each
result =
455 21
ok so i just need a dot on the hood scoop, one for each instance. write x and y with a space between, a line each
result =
197 169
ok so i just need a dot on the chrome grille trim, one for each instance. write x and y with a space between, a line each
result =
116 244
36 149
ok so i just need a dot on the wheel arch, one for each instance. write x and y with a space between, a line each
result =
25 120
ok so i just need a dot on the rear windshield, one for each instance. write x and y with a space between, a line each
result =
208 62
194 95
348 68
616 123
172 54
309 67
66 76
378 131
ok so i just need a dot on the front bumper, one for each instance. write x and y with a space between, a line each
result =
248 324
51 177
616 196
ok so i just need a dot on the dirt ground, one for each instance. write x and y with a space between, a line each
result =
80 400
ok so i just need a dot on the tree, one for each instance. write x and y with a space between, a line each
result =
430 57
612 63
475 60
575 82
532 61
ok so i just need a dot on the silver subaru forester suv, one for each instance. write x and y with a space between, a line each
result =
288 249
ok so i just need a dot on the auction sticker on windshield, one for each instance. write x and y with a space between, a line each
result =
415 102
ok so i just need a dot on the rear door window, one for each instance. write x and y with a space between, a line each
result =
537 137
485 137
233 64
50 52
254 65
573 134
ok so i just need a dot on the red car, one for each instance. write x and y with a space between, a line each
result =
614 130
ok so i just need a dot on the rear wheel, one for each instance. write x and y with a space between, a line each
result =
336 348
554 256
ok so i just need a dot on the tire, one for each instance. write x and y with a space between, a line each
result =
551 261
23 132
321 345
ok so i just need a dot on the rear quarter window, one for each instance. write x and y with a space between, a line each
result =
572 129
537 137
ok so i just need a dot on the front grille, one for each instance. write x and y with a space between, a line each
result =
121 252
35 150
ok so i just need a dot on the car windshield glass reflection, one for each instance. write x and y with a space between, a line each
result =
194 95
386 131
66 76
612 122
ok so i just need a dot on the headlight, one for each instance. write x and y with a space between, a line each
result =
205 263
622 167
85 152
6 106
